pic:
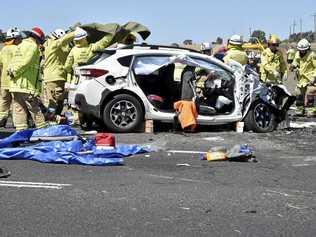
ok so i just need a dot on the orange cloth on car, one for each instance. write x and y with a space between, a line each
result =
187 113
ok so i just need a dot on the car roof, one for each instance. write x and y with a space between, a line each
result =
163 50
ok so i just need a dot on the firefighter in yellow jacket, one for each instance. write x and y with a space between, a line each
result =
55 54
83 51
13 38
305 63
24 71
235 51
273 66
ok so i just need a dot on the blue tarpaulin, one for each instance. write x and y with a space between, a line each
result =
72 152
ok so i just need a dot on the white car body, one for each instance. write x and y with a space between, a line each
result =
90 95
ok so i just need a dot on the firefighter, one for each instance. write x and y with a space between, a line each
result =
13 38
55 54
273 66
305 64
24 71
83 51
235 51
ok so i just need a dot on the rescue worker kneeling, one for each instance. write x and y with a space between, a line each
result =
25 81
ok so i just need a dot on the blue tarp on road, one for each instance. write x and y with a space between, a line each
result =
72 152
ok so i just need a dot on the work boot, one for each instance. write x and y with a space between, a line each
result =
311 112
300 111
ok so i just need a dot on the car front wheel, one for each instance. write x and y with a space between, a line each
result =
260 118
123 113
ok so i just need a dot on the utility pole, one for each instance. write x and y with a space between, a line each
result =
301 28
314 16
294 25
250 31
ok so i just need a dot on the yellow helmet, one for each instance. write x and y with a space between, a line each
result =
273 39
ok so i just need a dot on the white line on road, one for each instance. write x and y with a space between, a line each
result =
19 184
186 152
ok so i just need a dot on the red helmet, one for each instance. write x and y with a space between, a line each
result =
36 31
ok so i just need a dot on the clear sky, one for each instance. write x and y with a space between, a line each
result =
169 20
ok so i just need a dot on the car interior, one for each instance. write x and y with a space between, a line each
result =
213 91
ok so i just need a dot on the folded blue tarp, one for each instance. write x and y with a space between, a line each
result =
73 152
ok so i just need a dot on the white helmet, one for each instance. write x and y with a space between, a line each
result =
80 34
206 46
58 33
236 40
303 45
252 55
13 33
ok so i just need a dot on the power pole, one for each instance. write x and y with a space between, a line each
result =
294 25
314 15
301 28
250 31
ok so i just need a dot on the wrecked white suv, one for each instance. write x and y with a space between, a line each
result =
124 86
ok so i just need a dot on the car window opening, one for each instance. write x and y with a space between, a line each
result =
209 85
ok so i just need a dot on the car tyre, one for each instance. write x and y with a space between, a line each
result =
260 118
123 113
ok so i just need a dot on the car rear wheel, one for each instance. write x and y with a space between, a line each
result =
260 118
123 113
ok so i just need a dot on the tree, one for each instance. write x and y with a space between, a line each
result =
219 40
188 42
261 35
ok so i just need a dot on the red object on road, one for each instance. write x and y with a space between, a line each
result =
105 141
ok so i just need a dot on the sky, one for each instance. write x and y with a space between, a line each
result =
170 21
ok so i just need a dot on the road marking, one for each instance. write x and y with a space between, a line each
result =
186 152
176 178
18 184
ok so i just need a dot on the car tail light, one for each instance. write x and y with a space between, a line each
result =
93 73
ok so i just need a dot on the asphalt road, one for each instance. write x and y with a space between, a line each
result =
151 195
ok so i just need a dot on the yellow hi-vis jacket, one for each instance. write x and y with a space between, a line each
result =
272 67
83 51
55 55
6 55
25 66
237 54
306 68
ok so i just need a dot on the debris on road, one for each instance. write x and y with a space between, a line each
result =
302 124
183 165
78 151
4 173
105 141
239 153
213 139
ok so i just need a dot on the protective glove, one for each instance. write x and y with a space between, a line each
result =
10 73
276 74
284 78
67 86
292 67
312 82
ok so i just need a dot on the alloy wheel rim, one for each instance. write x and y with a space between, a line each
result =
123 113
263 116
